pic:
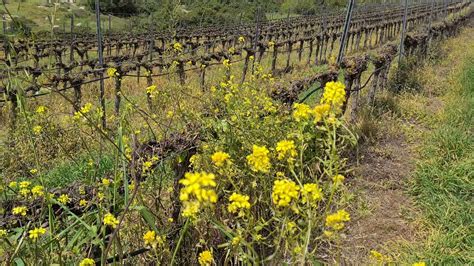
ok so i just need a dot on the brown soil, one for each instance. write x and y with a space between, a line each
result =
378 184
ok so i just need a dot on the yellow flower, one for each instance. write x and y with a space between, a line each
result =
112 72
37 191
286 147
338 179
34 171
64 199
336 220
199 187
100 196
271 43
259 160
20 210
377 256
37 130
205 258
24 192
178 47
311 193
321 111
301 111
236 240
84 110
284 191
41 109
420 263
87 262
13 185
151 90
226 63
238 201
105 182
219 158
36 233
83 203
334 94
25 184
231 50
191 208
241 39
251 58
3 233
110 220
151 239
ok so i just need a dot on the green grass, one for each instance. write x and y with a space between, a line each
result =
443 183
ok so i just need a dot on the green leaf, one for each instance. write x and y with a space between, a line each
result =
147 216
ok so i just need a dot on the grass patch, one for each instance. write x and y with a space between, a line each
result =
443 181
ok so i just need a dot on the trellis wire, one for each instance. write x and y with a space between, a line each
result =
101 64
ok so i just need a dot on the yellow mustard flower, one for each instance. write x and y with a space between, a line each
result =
238 202
20 210
37 191
284 191
336 220
64 199
226 63
41 109
151 90
24 184
259 160
334 94
220 158
87 262
112 72
286 148
420 263
178 47
301 112
37 129
205 258
13 185
151 239
190 208
198 185
110 220
3 233
311 193
105 182
338 179
34 171
241 39
24 192
320 111
83 203
36 233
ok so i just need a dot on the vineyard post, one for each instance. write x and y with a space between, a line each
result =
4 23
404 28
257 36
110 23
101 64
71 53
346 31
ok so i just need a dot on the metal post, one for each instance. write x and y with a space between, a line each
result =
4 22
404 28
347 24
71 54
101 63
257 29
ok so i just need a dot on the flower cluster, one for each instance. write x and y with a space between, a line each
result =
151 239
36 233
87 262
286 148
178 47
311 193
197 190
284 191
336 220
259 160
110 220
205 258
334 94
301 112
220 158
238 202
